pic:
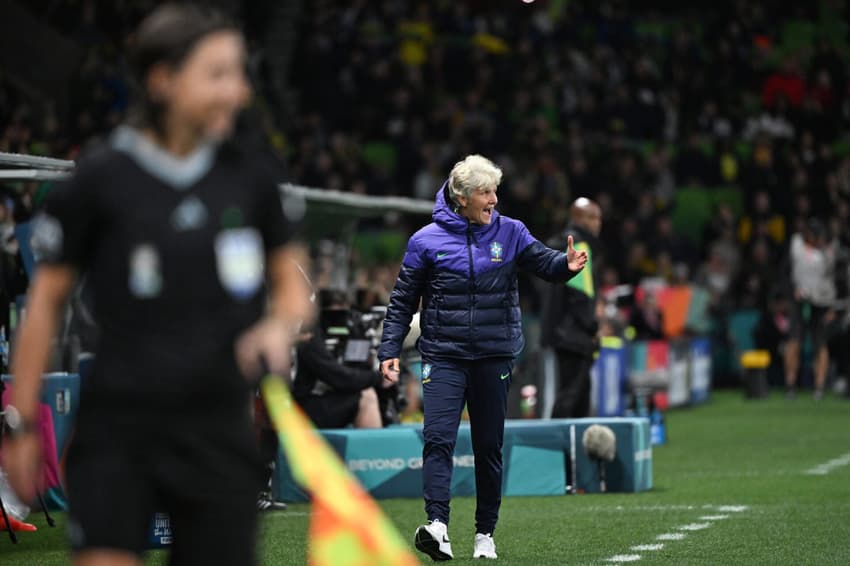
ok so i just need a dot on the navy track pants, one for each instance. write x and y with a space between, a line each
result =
448 384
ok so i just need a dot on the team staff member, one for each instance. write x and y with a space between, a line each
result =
177 233
464 268
568 320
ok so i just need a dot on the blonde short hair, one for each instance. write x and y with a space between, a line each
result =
474 172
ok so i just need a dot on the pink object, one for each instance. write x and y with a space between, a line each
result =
50 474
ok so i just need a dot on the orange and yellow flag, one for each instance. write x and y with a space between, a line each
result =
347 528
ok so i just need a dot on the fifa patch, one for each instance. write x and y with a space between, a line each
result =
47 237
426 373
496 252
145 272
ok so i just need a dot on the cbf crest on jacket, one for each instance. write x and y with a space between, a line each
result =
466 276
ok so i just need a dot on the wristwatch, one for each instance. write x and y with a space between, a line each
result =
16 424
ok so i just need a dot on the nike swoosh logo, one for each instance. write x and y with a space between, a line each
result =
505 376
442 255
445 538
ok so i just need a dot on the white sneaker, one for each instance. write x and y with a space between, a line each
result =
433 540
485 546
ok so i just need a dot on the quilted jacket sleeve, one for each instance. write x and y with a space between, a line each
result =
404 301
546 263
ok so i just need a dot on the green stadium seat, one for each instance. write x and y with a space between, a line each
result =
380 155
798 34
380 246
731 195
744 150
692 209
841 148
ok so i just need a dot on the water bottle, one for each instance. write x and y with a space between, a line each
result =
528 401
657 428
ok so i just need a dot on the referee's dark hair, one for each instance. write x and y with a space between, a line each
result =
167 35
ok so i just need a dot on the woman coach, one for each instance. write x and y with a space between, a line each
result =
463 266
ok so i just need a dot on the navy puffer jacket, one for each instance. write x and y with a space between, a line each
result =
466 276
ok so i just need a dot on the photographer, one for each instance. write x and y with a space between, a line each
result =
334 395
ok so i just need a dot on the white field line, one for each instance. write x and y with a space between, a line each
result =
671 536
694 527
642 508
680 532
732 508
827 467
645 547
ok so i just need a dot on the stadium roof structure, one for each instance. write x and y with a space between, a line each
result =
21 167
358 205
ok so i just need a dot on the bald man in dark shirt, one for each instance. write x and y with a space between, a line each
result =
569 324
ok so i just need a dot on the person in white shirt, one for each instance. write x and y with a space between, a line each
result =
813 254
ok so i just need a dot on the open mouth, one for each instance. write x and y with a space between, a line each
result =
487 212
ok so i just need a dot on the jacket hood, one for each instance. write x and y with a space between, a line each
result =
445 216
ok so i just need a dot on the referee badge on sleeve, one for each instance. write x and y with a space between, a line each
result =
47 237
239 259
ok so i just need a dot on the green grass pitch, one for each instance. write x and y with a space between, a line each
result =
751 455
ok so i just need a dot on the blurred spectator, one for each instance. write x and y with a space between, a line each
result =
813 255
716 276
762 222
692 165
660 177
387 94
774 329
756 278
13 279
639 263
668 242
784 83
646 319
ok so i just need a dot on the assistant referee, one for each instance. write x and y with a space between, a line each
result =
180 236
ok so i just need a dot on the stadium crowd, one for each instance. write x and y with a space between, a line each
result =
708 139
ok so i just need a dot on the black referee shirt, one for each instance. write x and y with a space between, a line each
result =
175 251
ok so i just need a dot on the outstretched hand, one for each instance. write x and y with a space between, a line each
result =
576 260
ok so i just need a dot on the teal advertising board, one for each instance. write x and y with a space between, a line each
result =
388 462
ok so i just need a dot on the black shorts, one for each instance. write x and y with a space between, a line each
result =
334 410
808 319
202 469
